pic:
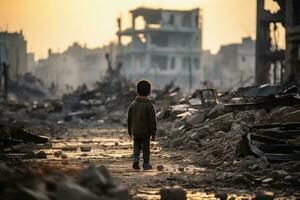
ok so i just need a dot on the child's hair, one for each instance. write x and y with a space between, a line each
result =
143 87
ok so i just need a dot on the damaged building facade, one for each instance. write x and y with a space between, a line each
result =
13 51
76 66
218 71
273 63
166 47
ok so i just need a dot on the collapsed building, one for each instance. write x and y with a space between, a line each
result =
13 52
228 74
270 59
166 47
76 66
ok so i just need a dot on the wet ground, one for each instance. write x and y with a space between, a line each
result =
113 148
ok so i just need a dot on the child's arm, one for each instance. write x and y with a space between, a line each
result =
129 121
153 122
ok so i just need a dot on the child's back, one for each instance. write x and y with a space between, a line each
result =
142 123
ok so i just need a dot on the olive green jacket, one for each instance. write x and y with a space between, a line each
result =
141 121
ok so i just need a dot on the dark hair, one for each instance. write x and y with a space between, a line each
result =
143 87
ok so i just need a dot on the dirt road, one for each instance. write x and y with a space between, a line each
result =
113 148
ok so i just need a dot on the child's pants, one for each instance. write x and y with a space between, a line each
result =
141 143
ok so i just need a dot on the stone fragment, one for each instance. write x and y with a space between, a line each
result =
174 193
160 168
64 156
69 190
85 148
119 192
57 154
216 111
222 123
92 176
41 155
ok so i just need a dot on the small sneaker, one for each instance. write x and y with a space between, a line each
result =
135 166
147 166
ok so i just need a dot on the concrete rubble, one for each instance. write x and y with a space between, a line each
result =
249 137
243 142
92 183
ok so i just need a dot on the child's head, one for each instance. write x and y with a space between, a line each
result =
143 88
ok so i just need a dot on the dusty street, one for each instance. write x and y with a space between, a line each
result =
112 148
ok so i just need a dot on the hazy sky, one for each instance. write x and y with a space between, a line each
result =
57 24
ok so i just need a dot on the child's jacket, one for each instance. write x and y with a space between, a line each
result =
141 119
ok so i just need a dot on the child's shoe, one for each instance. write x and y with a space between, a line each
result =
135 165
147 166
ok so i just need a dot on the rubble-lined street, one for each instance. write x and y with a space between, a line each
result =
82 148
243 144
150 100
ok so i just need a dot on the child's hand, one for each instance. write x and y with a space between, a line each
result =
153 138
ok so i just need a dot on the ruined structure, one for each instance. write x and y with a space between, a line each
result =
165 47
76 66
13 51
267 52
218 71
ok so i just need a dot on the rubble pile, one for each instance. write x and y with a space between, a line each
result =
239 134
92 183
28 88
106 103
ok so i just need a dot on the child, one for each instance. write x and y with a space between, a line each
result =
142 124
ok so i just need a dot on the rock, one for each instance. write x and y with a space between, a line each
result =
291 116
93 176
69 148
236 129
69 190
41 155
196 118
175 133
57 154
181 169
178 141
267 180
221 195
278 174
34 195
200 133
64 156
222 123
119 192
277 114
85 148
174 193
216 111
192 145
259 115
264 196
160 167
247 116
48 145
219 134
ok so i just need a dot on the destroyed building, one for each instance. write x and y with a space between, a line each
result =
220 72
76 66
166 47
13 51
270 59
